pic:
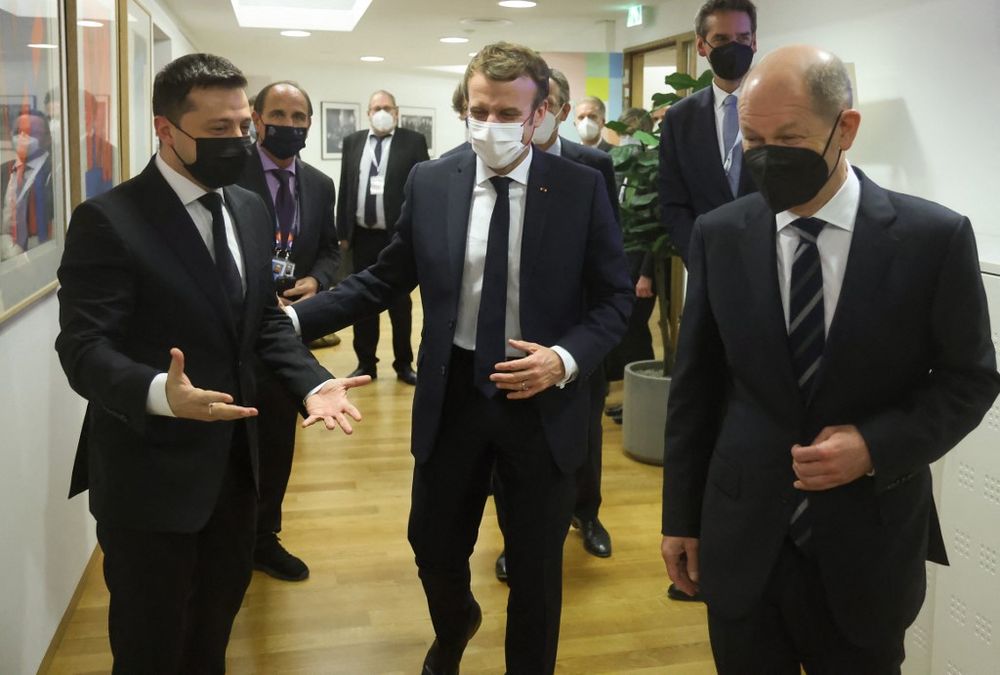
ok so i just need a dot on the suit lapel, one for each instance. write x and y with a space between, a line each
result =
460 186
242 224
711 163
535 209
305 235
257 182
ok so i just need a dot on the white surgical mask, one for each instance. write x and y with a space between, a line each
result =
543 132
588 129
29 149
382 121
498 144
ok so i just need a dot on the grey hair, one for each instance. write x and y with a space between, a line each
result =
560 79
596 102
829 88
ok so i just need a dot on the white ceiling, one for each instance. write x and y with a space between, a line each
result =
406 32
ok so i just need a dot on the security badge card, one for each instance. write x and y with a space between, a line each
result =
377 185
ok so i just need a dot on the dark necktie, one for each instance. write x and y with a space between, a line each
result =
806 338
371 215
284 204
225 265
491 333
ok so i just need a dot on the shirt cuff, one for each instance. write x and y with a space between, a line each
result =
314 390
295 322
156 399
569 365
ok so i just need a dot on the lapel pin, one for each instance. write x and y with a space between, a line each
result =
543 189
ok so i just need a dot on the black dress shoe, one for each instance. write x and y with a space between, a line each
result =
617 419
444 659
596 539
613 410
501 567
361 370
406 375
675 593
270 557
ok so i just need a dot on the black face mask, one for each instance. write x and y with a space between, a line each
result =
219 161
284 142
731 61
787 176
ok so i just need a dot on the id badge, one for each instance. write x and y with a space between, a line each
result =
282 267
377 185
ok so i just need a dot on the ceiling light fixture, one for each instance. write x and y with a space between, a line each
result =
42 45
454 40
296 33
517 4
89 23
340 15
373 59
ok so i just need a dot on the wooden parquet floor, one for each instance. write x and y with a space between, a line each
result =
362 611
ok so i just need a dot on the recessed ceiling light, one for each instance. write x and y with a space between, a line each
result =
486 23
341 15
454 40
471 54
89 23
296 33
517 4
42 45
373 59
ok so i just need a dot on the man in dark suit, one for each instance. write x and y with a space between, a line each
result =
26 187
375 165
700 154
835 342
171 268
525 289
300 202
546 138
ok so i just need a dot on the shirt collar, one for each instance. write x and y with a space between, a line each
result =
371 134
720 94
187 190
519 174
841 211
32 163
556 148
269 164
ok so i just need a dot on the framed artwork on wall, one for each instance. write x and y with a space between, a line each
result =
33 170
135 48
337 120
420 120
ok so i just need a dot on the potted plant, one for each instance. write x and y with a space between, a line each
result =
647 383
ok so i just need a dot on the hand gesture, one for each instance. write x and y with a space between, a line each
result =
330 404
531 375
306 287
838 455
192 403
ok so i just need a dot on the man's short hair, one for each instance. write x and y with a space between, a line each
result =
829 88
505 62
382 91
260 100
637 119
173 84
713 6
459 99
598 103
560 79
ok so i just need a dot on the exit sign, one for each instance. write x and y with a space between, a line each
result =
634 17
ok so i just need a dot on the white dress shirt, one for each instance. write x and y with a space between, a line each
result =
720 112
556 148
189 192
834 244
367 159
484 197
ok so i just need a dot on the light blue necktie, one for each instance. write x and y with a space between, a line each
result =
730 130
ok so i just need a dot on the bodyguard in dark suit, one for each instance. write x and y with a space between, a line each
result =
835 342
700 154
167 270
524 288
300 202
26 187
375 165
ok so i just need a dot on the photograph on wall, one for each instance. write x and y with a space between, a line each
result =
97 73
338 121
420 120
32 203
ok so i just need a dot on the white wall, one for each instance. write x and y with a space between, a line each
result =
47 540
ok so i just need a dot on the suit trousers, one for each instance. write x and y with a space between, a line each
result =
276 424
366 245
449 493
793 625
174 596
637 344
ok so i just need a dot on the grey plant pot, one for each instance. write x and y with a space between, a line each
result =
644 411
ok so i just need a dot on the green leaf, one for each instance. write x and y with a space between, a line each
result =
646 138
617 126
643 199
680 81
660 100
703 81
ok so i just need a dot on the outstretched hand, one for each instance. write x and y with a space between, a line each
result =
330 404
190 402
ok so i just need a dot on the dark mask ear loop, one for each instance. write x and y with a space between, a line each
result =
829 139
178 156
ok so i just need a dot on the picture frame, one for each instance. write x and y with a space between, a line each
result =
33 218
420 120
337 120
135 49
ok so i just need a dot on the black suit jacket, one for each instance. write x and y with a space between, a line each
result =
315 252
908 360
692 178
575 290
407 149
595 159
137 279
